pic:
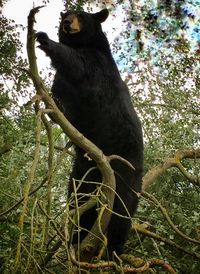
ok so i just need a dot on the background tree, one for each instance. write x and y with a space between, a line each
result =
158 53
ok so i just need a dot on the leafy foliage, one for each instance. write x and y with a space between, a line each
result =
158 53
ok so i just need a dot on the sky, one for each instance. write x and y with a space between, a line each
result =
47 20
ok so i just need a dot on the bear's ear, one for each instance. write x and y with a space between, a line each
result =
101 16
62 14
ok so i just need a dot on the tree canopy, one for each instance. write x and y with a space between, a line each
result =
157 50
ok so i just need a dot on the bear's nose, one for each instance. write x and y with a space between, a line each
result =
71 24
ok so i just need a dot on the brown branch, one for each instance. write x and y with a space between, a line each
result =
78 139
172 161
50 173
117 157
138 262
158 262
195 180
142 230
137 265
110 265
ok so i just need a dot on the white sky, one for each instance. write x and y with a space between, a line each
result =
47 21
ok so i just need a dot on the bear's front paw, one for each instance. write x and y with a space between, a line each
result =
43 39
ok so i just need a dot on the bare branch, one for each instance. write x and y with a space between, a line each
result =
192 178
78 139
172 161
117 157
141 229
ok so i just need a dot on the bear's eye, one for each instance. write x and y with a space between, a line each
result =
80 16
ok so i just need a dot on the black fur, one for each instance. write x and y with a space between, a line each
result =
96 101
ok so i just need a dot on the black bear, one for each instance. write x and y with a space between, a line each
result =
89 90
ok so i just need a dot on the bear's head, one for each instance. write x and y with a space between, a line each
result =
79 29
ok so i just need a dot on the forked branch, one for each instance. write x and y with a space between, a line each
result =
77 138
173 161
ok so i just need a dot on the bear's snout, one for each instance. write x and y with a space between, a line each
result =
71 24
